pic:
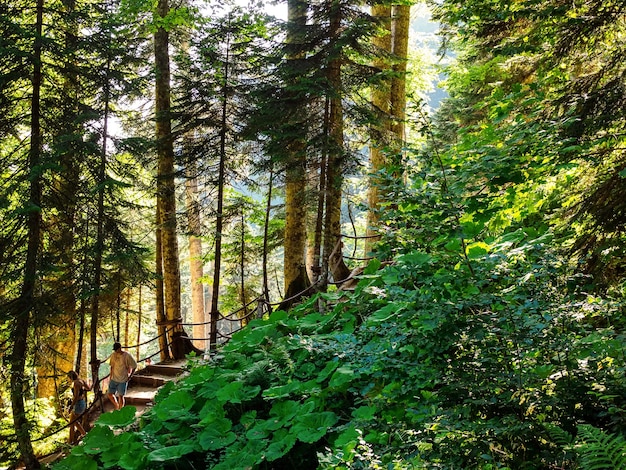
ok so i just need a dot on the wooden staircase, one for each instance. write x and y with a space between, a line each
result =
145 382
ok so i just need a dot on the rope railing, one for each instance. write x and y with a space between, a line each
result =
298 295
260 300
228 317
66 426
150 340
264 306
359 237
355 258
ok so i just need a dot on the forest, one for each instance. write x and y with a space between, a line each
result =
373 249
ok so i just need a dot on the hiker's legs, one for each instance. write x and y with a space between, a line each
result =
119 389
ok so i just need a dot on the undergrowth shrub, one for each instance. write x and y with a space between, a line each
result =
427 365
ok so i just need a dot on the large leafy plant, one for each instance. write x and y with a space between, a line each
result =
428 363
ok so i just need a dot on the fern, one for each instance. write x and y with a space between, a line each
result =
559 436
598 450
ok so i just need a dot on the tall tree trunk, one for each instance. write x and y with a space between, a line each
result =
318 267
295 277
334 170
400 49
166 188
81 366
139 318
118 309
195 256
25 307
242 268
219 220
127 339
381 102
99 249
266 224
160 296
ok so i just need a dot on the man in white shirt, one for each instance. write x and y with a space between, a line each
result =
122 367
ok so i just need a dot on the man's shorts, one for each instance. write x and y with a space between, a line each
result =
119 387
80 407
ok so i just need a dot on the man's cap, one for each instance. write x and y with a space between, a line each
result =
116 346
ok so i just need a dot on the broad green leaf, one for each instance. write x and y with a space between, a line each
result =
415 258
122 444
118 418
328 369
242 457
282 442
217 435
341 377
134 457
170 453
99 440
346 442
209 389
175 405
453 245
365 413
384 314
75 462
471 229
477 250
278 316
284 411
470 291
251 336
372 267
260 430
200 375
543 371
282 391
295 386
237 392
311 427
211 411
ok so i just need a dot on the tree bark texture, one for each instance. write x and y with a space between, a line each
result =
25 306
266 224
314 252
400 49
295 277
219 220
166 188
195 258
160 300
336 157
381 103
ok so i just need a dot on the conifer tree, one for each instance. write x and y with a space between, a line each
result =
219 70
24 309
166 187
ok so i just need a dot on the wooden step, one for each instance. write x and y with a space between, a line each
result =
169 369
140 396
149 380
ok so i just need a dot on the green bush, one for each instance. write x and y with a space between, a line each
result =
426 365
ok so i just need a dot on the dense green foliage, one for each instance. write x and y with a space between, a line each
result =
424 365
493 339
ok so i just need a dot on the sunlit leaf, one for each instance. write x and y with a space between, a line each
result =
311 427
170 453
118 418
